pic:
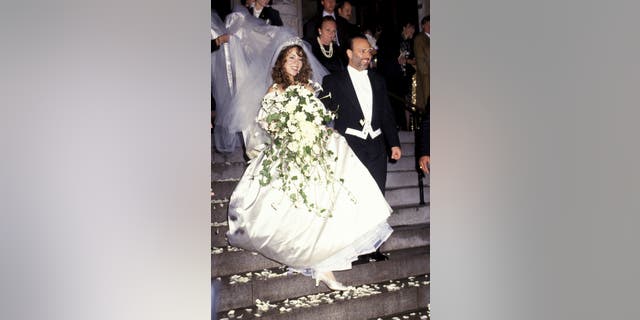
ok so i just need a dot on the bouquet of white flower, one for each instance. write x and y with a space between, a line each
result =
296 119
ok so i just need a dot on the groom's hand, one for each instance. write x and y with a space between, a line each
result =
396 153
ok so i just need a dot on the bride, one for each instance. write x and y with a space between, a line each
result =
241 72
305 199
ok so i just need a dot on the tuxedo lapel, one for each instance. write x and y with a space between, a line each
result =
351 93
374 104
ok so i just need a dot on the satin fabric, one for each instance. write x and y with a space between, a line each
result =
262 219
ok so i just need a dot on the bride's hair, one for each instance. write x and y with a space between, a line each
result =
279 75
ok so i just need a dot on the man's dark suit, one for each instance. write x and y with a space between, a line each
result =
423 144
343 99
271 15
347 31
310 28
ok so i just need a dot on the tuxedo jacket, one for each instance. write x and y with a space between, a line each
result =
310 28
339 95
346 31
271 15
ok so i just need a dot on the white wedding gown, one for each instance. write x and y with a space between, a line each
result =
262 219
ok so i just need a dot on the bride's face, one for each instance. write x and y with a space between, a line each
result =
292 63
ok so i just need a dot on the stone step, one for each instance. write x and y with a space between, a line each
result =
410 214
225 171
417 314
218 234
402 178
408 149
405 163
223 189
366 301
235 156
236 262
404 237
406 136
276 284
405 195
219 211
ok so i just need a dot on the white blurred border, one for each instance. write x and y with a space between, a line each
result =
105 160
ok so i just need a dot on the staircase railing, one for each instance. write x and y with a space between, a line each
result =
415 119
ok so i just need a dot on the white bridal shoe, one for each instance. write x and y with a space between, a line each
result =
330 281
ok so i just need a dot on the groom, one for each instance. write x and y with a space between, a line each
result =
364 115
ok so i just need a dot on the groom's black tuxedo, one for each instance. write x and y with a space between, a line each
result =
372 152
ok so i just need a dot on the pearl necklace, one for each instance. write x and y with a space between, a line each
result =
326 53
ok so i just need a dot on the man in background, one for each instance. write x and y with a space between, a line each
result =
343 20
421 50
262 10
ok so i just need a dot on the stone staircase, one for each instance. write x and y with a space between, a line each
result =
251 286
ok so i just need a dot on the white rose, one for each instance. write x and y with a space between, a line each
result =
292 127
293 146
292 105
308 107
297 136
309 132
300 116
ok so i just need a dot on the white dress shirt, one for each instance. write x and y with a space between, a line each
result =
362 85
324 14
257 13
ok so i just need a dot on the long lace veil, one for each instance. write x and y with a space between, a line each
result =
221 84
253 48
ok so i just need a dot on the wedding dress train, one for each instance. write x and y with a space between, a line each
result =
263 219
